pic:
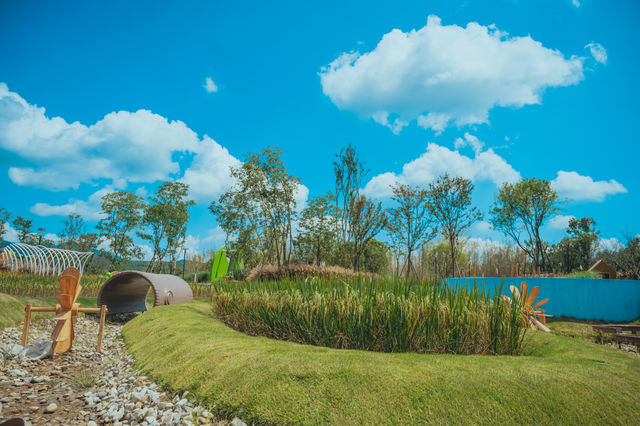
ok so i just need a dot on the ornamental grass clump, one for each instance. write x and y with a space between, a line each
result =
376 315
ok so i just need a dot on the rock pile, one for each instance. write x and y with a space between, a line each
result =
86 387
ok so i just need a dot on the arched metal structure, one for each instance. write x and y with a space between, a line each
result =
41 260
127 291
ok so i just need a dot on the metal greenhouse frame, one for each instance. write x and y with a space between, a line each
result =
41 260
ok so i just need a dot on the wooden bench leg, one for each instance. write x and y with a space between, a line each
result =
103 312
27 318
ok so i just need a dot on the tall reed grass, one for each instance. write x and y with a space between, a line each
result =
379 315
294 271
24 284
44 285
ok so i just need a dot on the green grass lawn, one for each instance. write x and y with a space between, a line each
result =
559 379
12 307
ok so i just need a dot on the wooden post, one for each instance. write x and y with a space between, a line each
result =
475 269
27 318
103 311
543 318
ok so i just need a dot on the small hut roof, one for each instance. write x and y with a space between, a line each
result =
601 266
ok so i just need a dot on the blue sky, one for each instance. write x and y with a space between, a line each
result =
98 96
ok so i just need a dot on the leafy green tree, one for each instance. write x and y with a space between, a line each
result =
349 172
4 218
341 254
523 207
259 208
367 219
583 232
122 211
358 218
577 250
317 230
626 260
449 201
74 237
410 221
73 228
375 257
23 228
438 261
165 223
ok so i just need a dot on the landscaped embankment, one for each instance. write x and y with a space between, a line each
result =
558 380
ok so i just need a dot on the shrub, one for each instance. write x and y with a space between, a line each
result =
376 315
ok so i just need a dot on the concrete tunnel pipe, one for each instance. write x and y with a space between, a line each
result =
127 291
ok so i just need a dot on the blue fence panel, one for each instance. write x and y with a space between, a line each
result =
591 299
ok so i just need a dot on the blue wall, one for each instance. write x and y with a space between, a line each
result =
592 299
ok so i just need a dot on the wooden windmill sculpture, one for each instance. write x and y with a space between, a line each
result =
529 309
66 313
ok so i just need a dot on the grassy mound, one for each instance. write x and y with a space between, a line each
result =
375 315
557 379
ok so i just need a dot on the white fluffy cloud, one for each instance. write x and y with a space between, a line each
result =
469 140
576 3
123 147
210 86
89 209
611 244
208 176
598 52
147 252
11 233
583 188
437 160
215 239
444 74
484 244
560 221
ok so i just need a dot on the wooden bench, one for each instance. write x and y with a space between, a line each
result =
620 333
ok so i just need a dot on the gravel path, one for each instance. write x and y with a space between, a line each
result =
84 387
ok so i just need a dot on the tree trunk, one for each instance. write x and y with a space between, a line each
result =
408 264
452 247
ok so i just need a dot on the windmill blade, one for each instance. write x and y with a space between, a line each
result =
62 316
68 284
524 289
75 296
532 295
72 272
62 335
540 303
515 292
64 300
